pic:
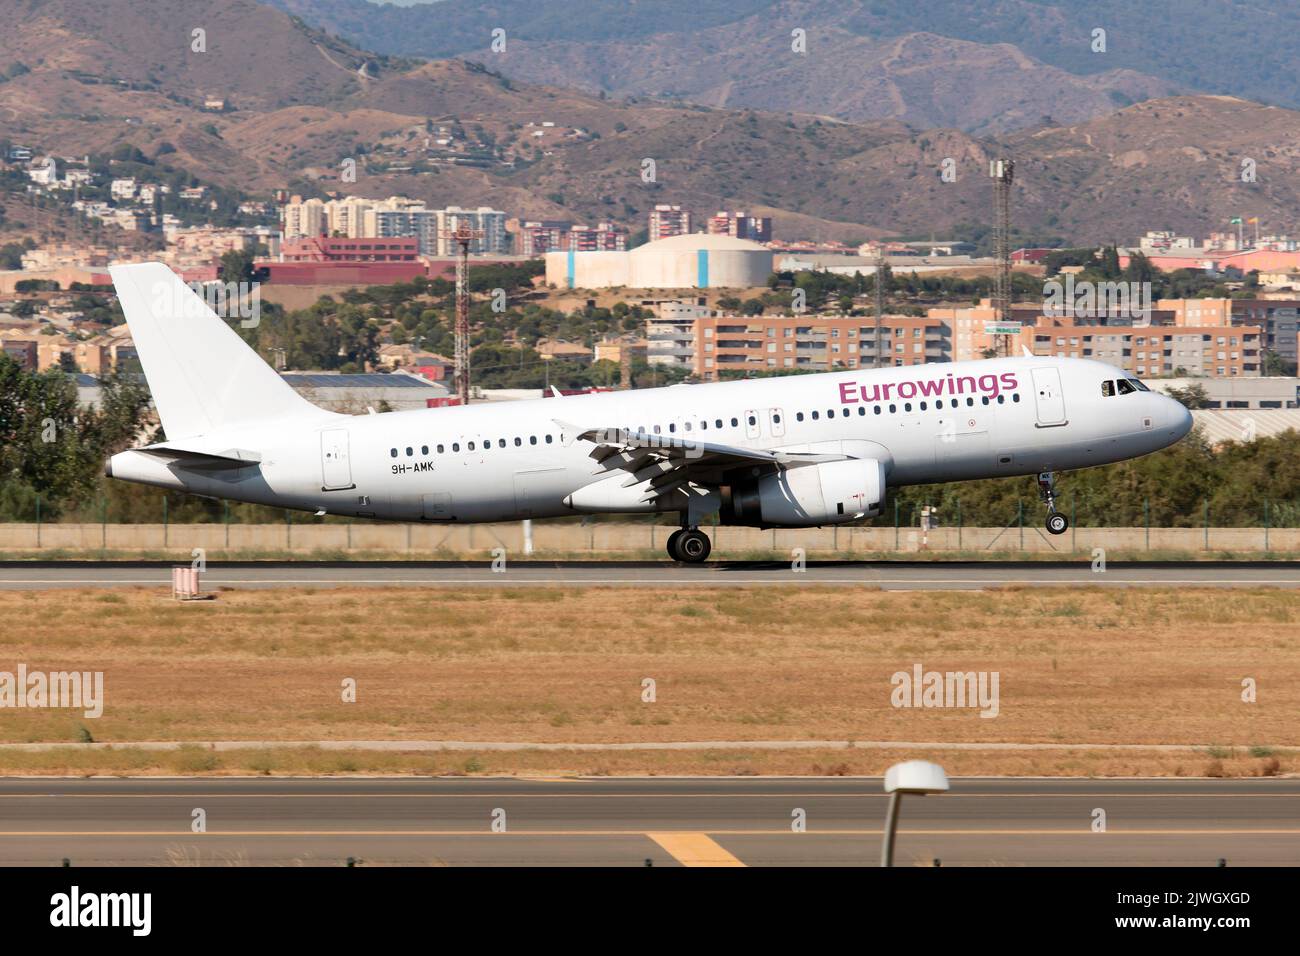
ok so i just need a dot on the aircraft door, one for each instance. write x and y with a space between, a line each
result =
1048 397
336 467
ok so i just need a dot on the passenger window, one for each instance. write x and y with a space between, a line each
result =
672 426
844 412
922 404
735 422
816 415
1015 397
686 425
439 449
907 406
548 439
1002 399
424 449
455 446
409 451
718 423
520 441
393 452
862 410
753 420
878 407
704 426
532 439
1107 389
656 429
776 419
798 416
892 409
470 446
985 399
970 402
1125 387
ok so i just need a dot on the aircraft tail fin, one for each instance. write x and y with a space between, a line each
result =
202 375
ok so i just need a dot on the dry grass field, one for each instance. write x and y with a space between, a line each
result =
1085 667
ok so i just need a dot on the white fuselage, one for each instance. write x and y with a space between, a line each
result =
511 460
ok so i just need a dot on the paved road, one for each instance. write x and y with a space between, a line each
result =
669 821
887 575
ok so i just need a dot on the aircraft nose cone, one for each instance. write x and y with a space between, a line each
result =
1178 417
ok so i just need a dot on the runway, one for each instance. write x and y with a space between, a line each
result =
886 575
643 821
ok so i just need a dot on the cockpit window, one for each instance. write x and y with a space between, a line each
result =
1125 387
1108 388
1138 385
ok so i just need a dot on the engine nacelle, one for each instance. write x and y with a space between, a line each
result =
829 493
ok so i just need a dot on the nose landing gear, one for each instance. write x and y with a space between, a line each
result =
689 545
1057 523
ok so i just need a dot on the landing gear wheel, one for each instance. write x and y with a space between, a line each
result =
693 546
672 543
1057 523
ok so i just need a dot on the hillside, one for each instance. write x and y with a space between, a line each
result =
1156 164
977 65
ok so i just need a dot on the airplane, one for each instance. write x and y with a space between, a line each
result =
788 452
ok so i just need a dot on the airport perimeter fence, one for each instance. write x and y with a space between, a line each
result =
903 528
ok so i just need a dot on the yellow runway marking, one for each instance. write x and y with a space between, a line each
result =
694 849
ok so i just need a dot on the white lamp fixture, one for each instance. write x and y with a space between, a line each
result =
911 776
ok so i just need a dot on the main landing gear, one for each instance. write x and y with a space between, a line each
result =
1057 523
689 545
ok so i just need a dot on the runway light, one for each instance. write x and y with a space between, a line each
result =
911 776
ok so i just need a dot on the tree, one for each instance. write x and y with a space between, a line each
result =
236 266
1193 396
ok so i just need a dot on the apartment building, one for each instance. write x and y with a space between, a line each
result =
668 220
1150 350
536 237
489 223
397 217
741 225
670 334
813 342
1279 319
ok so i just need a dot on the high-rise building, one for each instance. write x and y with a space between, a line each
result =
536 237
741 225
668 220
491 223
305 218
605 237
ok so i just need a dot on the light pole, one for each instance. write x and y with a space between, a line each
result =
911 776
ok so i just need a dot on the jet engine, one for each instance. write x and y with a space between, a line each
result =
805 495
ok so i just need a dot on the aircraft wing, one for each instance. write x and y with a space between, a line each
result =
670 463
